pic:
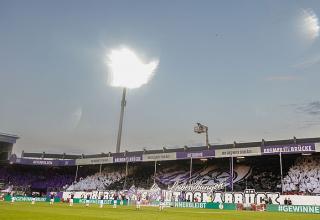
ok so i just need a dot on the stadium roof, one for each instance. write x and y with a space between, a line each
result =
8 138
185 148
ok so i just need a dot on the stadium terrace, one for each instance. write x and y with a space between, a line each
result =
265 175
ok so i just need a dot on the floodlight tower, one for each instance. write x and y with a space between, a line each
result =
199 128
123 105
128 71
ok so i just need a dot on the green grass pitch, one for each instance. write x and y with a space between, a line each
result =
60 211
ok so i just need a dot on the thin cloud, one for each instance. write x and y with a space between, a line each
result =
312 108
308 62
283 78
309 124
307 114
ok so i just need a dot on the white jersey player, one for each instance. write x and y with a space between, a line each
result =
71 200
101 201
33 200
161 203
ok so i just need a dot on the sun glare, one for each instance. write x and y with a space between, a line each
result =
309 24
127 70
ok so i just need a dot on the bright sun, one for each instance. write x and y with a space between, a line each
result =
127 70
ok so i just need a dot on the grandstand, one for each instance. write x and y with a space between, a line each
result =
238 166
6 144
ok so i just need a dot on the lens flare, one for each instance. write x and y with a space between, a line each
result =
76 117
309 25
127 70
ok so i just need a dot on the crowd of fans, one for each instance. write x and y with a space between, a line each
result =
303 176
143 176
98 181
36 178
263 178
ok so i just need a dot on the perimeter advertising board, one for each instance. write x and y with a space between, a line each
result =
204 205
294 208
25 199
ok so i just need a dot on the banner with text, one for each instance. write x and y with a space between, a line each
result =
91 161
159 157
294 208
204 205
216 196
42 162
289 149
25 199
98 201
238 152
196 154
124 159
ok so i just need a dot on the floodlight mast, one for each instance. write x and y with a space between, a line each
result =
123 105
199 128
128 71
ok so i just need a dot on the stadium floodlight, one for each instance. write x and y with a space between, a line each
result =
263 142
199 128
128 71
294 140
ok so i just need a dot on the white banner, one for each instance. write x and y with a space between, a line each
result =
93 194
159 157
317 147
90 161
246 197
238 152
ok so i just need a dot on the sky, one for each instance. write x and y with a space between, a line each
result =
246 69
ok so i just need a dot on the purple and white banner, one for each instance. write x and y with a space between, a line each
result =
289 149
41 162
195 154
124 159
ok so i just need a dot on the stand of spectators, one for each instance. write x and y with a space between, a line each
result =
303 176
98 181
